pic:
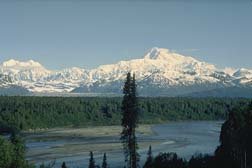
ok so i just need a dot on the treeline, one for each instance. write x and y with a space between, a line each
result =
47 112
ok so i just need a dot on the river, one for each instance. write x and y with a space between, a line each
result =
185 138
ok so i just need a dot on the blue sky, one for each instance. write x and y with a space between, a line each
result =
88 33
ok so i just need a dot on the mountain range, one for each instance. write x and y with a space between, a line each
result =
160 72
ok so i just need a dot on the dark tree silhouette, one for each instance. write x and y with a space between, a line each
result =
129 122
63 165
202 161
149 160
235 148
168 160
104 161
91 161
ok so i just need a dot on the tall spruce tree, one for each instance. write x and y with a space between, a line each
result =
129 122
104 161
91 161
149 160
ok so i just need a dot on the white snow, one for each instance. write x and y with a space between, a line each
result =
159 66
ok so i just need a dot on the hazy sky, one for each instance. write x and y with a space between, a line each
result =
89 33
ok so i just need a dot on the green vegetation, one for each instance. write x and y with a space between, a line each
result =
129 122
48 112
12 152
236 137
235 150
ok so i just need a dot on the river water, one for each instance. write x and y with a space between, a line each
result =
184 138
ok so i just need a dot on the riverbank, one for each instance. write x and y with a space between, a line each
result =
83 132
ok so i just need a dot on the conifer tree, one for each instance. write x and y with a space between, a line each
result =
104 161
91 161
63 165
129 122
148 163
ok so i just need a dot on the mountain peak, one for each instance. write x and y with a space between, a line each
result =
156 53
24 64
166 55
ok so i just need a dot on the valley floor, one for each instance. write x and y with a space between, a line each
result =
72 145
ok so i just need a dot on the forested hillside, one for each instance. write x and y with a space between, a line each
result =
47 112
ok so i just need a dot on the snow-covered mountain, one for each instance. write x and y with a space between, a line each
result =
7 87
160 72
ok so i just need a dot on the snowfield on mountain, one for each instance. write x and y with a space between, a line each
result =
160 72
